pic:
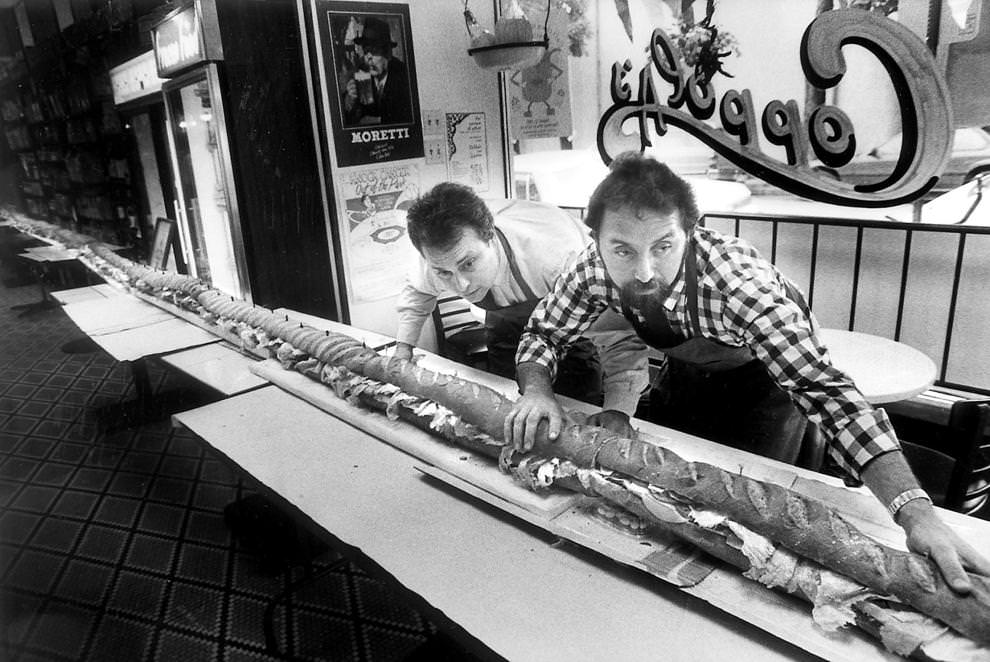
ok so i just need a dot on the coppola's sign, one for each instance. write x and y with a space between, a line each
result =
827 132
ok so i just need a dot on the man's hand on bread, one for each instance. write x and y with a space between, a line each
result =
930 536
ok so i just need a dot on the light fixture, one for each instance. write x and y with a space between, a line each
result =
512 45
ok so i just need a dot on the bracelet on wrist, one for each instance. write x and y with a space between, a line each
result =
904 498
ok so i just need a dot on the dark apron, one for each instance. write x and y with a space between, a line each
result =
717 391
579 373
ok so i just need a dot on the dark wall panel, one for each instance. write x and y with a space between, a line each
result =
274 156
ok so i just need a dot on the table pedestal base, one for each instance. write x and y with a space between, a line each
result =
139 411
47 303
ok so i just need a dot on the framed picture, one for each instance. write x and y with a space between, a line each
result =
371 87
163 245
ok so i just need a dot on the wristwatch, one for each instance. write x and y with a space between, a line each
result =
904 497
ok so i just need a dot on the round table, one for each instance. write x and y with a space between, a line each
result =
883 370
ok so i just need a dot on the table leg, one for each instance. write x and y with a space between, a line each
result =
147 406
47 302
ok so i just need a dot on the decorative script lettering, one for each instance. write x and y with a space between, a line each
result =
827 133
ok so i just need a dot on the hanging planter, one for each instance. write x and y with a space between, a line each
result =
511 46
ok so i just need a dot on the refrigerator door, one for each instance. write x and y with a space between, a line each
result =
207 206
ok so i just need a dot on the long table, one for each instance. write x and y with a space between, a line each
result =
133 331
502 581
506 584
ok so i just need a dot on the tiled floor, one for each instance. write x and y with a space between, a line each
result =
114 547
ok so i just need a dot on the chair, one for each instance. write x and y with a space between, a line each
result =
460 336
953 464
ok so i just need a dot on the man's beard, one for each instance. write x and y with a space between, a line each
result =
637 294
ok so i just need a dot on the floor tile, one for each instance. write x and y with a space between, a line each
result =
56 535
113 547
203 564
163 519
102 543
68 452
207 527
34 408
130 484
171 490
35 447
62 629
53 473
117 510
87 478
151 553
180 646
195 608
84 581
75 504
35 498
119 638
17 527
34 570
137 595
18 468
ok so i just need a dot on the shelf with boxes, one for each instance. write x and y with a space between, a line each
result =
72 150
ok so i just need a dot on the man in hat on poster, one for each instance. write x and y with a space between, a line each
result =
386 98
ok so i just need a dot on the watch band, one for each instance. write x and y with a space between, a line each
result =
904 497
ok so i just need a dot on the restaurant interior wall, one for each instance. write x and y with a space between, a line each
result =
448 81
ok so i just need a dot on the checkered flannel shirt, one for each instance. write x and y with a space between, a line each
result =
742 301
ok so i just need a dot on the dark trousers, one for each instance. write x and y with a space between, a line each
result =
579 372
742 408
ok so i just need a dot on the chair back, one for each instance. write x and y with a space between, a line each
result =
969 484
953 465
460 336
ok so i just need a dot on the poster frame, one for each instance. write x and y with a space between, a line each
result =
366 140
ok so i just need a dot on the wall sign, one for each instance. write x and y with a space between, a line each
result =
827 133
467 150
136 78
372 94
375 200
186 37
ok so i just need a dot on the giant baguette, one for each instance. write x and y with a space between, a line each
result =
802 524
811 528
806 526
836 599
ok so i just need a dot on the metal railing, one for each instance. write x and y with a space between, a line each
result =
924 284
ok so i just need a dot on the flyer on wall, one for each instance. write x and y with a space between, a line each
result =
375 200
373 99
539 98
467 150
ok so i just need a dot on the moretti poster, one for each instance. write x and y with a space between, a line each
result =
374 104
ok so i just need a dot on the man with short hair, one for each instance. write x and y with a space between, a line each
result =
744 361
504 256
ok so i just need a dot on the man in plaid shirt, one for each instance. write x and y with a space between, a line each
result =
744 364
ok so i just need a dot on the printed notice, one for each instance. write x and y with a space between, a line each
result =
375 203
539 101
467 150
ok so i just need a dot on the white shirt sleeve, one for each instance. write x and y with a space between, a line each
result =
415 304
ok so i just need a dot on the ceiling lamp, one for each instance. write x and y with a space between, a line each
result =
512 45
